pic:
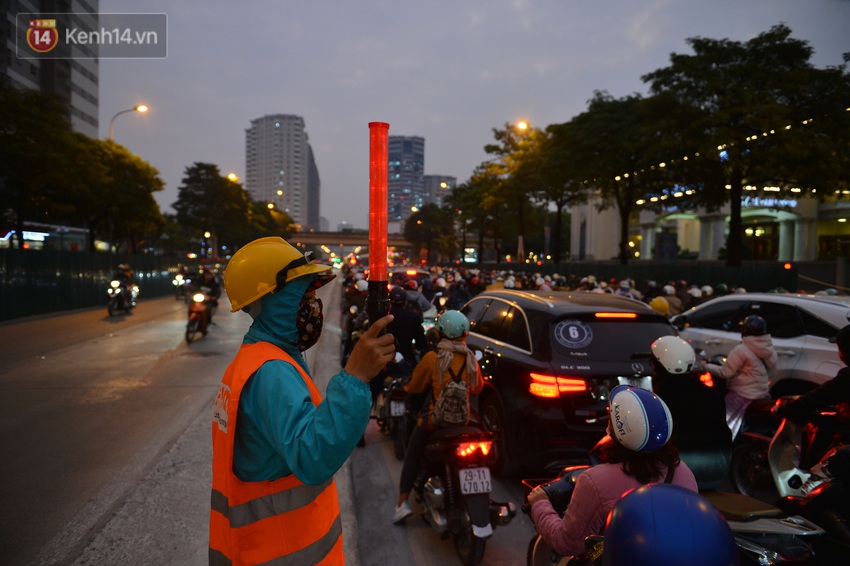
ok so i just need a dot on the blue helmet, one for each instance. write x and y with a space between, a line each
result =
753 325
453 324
640 420
664 524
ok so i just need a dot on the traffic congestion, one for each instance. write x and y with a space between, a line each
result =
556 352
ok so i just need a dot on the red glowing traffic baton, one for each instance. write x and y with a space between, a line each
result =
377 300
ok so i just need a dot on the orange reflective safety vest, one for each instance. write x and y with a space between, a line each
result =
267 522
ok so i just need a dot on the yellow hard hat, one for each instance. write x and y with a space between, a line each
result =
252 271
661 305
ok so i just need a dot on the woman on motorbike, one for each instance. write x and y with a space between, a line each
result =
746 370
452 357
640 453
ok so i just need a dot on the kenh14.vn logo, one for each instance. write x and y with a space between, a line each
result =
42 35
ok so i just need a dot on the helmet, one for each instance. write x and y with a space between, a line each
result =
640 420
412 284
441 282
707 291
674 354
753 325
362 285
721 289
398 298
669 290
662 524
253 270
453 324
695 292
625 284
509 284
661 305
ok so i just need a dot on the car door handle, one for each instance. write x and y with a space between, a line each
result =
788 353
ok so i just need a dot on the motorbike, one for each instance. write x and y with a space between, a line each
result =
454 487
762 532
398 411
182 286
782 465
121 297
200 314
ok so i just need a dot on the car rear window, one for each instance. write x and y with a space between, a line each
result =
600 339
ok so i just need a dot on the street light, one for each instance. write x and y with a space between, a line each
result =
140 108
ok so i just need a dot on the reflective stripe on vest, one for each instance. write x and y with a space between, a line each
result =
283 521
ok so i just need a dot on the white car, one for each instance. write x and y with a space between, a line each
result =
799 325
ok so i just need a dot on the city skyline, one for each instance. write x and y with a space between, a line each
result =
445 72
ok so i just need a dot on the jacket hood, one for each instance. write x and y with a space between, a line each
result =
276 322
761 346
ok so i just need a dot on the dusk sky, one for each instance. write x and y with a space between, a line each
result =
447 70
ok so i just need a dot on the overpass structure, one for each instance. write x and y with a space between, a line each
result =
335 240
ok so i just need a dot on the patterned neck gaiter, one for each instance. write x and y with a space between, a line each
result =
309 322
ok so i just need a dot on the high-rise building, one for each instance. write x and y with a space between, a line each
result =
280 168
406 170
438 188
73 78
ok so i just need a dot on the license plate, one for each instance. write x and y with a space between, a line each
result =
396 408
475 480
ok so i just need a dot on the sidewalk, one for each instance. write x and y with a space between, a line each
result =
165 520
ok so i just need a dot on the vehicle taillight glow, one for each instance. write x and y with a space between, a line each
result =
706 379
469 448
552 386
616 315
410 272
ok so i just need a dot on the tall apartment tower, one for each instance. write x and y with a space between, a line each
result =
280 168
73 78
438 188
406 183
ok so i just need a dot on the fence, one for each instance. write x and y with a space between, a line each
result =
36 282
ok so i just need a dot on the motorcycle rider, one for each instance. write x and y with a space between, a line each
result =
433 371
674 302
639 453
746 370
276 442
701 433
208 280
835 392
406 327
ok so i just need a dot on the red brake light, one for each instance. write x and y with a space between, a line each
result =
552 386
616 315
411 272
468 448
705 378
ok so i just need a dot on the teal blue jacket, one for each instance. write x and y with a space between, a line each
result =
279 429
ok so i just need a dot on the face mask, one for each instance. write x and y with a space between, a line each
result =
309 322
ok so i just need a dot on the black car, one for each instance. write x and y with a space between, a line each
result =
549 361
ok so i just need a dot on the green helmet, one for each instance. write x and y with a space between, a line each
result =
453 324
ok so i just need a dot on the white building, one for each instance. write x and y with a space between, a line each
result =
775 228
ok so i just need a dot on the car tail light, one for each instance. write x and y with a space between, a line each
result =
706 379
616 315
469 448
410 272
552 386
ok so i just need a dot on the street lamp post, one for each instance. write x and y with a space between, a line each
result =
140 108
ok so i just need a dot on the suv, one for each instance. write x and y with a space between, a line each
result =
799 325
549 361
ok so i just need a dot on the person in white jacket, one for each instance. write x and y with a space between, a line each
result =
746 370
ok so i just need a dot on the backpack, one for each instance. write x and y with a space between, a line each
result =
452 408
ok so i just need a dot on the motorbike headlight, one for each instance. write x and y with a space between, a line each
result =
114 283
198 297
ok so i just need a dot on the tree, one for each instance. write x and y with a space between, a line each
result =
480 201
513 166
121 206
611 147
431 228
742 98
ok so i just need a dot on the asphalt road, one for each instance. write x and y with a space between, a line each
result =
106 437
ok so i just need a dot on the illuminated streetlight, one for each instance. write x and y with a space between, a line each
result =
232 177
270 205
140 108
522 125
